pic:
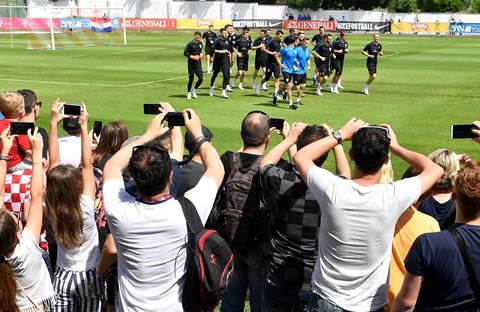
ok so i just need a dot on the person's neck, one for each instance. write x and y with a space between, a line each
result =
364 179
28 118
254 150
155 198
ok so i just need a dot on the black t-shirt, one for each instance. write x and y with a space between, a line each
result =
273 46
243 46
209 37
259 54
323 50
221 44
317 39
339 45
193 48
232 38
372 49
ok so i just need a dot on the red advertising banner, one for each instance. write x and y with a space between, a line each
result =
150 23
310 25
25 23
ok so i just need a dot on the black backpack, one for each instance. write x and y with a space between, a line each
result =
209 263
241 217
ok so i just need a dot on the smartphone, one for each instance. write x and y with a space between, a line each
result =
151 109
21 127
277 123
462 131
97 127
175 119
72 109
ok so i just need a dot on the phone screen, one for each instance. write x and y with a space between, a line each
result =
97 127
175 119
462 131
151 109
21 127
277 123
72 109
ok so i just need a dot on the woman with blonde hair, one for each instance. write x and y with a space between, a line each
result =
440 205
70 202
24 279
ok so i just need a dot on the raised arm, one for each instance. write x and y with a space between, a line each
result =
275 154
341 161
476 131
35 214
7 142
119 162
429 171
304 158
53 149
177 138
87 166
208 154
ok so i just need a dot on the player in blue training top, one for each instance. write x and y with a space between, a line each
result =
288 55
371 51
193 51
303 63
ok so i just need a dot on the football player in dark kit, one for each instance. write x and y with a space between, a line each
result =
322 52
208 39
221 61
273 68
242 48
371 51
193 51
232 38
317 40
340 48
260 57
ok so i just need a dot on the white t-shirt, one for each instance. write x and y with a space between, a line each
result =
355 238
31 272
70 148
86 256
150 241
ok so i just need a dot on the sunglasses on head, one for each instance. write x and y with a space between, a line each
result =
159 149
39 103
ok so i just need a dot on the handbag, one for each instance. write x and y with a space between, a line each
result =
38 308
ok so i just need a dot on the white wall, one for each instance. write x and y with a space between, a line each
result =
226 10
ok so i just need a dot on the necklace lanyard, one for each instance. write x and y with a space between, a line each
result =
154 200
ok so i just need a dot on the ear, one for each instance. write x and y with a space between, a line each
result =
454 196
350 154
170 178
267 140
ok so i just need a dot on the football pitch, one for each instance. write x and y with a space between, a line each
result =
424 85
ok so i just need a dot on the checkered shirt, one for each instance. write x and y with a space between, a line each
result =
292 247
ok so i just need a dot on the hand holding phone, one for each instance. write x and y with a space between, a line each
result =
176 119
462 131
277 123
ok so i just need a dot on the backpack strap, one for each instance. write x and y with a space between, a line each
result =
194 223
448 217
466 260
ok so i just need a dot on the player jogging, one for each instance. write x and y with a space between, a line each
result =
371 51
193 51
208 39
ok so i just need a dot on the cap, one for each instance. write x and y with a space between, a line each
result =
190 140
71 124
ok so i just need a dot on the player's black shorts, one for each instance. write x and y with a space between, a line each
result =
372 69
338 66
299 79
221 65
209 51
272 69
195 68
260 63
287 77
242 63
323 70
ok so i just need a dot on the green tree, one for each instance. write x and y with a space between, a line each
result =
475 8
442 5
304 4
403 6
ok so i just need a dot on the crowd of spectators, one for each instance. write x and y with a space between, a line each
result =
87 212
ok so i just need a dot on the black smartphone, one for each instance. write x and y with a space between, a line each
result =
462 131
72 109
176 119
151 109
277 123
21 127
97 127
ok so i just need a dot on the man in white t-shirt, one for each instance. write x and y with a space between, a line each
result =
150 231
70 145
359 215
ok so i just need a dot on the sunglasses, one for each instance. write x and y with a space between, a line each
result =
39 103
157 148
17 214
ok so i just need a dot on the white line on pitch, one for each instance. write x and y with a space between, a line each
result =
117 53
63 83
153 81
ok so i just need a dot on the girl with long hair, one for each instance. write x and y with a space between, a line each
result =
25 282
112 136
70 203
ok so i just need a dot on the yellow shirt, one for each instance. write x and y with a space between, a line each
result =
411 224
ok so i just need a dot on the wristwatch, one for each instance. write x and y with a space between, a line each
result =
338 136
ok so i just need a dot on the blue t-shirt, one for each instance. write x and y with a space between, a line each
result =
432 207
302 57
288 59
446 284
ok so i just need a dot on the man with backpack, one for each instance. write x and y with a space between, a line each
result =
242 221
150 231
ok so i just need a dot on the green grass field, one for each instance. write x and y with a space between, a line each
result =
424 84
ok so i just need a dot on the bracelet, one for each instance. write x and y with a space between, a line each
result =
199 139
6 158
197 146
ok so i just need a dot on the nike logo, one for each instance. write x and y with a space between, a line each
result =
270 24
376 27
